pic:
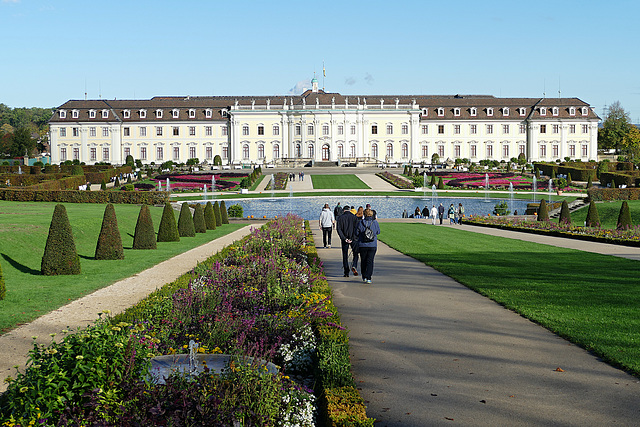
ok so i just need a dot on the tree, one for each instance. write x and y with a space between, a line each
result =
543 213
440 183
435 159
593 218
144 236
185 222
522 159
198 219
209 217
565 215
109 244
624 217
223 213
22 143
129 160
168 230
615 127
631 143
60 256
217 214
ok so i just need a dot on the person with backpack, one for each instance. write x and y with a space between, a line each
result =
346 226
367 233
461 213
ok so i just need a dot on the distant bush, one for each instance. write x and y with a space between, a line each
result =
60 256
109 244
235 211
144 236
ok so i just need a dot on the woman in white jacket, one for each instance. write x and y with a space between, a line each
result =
326 222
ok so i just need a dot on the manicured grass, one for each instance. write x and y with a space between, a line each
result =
591 299
23 234
323 182
608 212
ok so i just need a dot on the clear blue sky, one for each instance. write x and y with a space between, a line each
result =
53 50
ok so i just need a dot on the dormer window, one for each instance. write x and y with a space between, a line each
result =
74 114
523 111
425 112
456 112
572 111
175 113
92 114
490 111
158 114
192 113
440 111
505 111
143 114
105 114
473 111
543 111
63 114
126 114
555 111
224 113
585 111
208 113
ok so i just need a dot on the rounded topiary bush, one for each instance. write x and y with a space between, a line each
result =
565 215
109 244
185 222
218 215
60 256
168 230
209 217
624 217
198 219
543 213
144 236
77 170
3 289
593 218
223 213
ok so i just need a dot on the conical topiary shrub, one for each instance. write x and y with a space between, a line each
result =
129 179
565 215
569 180
593 218
223 212
440 184
209 217
3 288
116 183
433 180
624 217
109 244
198 219
543 213
168 230
185 222
144 237
218 215
589 182
103 186
60 256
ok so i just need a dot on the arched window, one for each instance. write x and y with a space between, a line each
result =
310 151
352 150
340 150
390 150
374 150
298 150
276 151
405 149
261 151
425 151
245 151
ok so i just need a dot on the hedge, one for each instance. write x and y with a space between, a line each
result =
608 194
627 178
580 171
77 196
577 174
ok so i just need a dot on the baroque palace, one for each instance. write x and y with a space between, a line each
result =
323 127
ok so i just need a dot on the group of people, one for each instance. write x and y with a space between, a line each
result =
292 176
358 230
454 214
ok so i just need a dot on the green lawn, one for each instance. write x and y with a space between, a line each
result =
608 212
591 299
23 234
324 182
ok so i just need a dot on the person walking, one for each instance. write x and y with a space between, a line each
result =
460 213
337 211
326 222
346 228
434 214
367 232
452 214
425 212
440 212
375 214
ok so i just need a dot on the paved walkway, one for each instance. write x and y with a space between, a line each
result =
426 350
15 345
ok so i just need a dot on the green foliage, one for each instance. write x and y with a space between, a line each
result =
615 129
560 183
589 182
433 181
217 160
223 213
217 213
3 288
128 187
77 170
145 236
440 183
569 180
538 174
209 216
22 143
565 215
501 208
553 173
344 407
435 158
199 223
168 230
109 244
613 184
167 165
543 213
522 159
593 218
245 182
624 218
129 160
129 179
60 256
116 183
235 211
185 222
192 162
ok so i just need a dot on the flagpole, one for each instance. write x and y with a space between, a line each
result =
324 74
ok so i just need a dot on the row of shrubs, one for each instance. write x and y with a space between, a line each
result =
609 194
65 178
272 276
248 181
616 179
579 171
39 167
77 196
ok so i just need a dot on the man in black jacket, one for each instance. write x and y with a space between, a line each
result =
346 228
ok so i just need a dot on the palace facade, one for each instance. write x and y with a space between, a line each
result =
323 127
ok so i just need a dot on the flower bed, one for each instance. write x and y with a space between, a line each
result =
264 297
395 180
630 237
224 181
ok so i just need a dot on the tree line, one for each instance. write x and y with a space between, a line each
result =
618 133
23 130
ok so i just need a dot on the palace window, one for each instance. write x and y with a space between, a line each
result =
425 111
127 152
505 111
390 151
425 151
523 128
440 112
225 152
63 132
276 151
585 111
522 149
245 151
92 114
192 113
93 154
126 131
143 130
340 150
105 131
298 150
424 129
298 130
389 129
405 150
505 151
543 151
105 153
456 129
192 131
456 111
92 131
340 130
554 149
175 113
310 130
208 130
555 111
224 130
208 113
489 128
353 129
176 153
176 131
405 129
556 128
473 111
76 154
105 114
261 151
572 111
523 111
143 114
63 115
473 151
456 151
63 154
276 130
440 150
260 130
374 150
489 111
158 130
352 150
572 150
74 114
245 130
374 129
75 131
310 151
585 151
159 153
505 129
143 153
192 152
440 129
158 114
585 128
473 129
325 129
572 128
543 111
489 151
126 114
208 152
543 128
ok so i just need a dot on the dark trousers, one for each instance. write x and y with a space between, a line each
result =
345 256
366 258
326 236
440 216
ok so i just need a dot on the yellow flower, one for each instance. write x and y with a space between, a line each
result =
116 328
150 355
119 345
79 357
